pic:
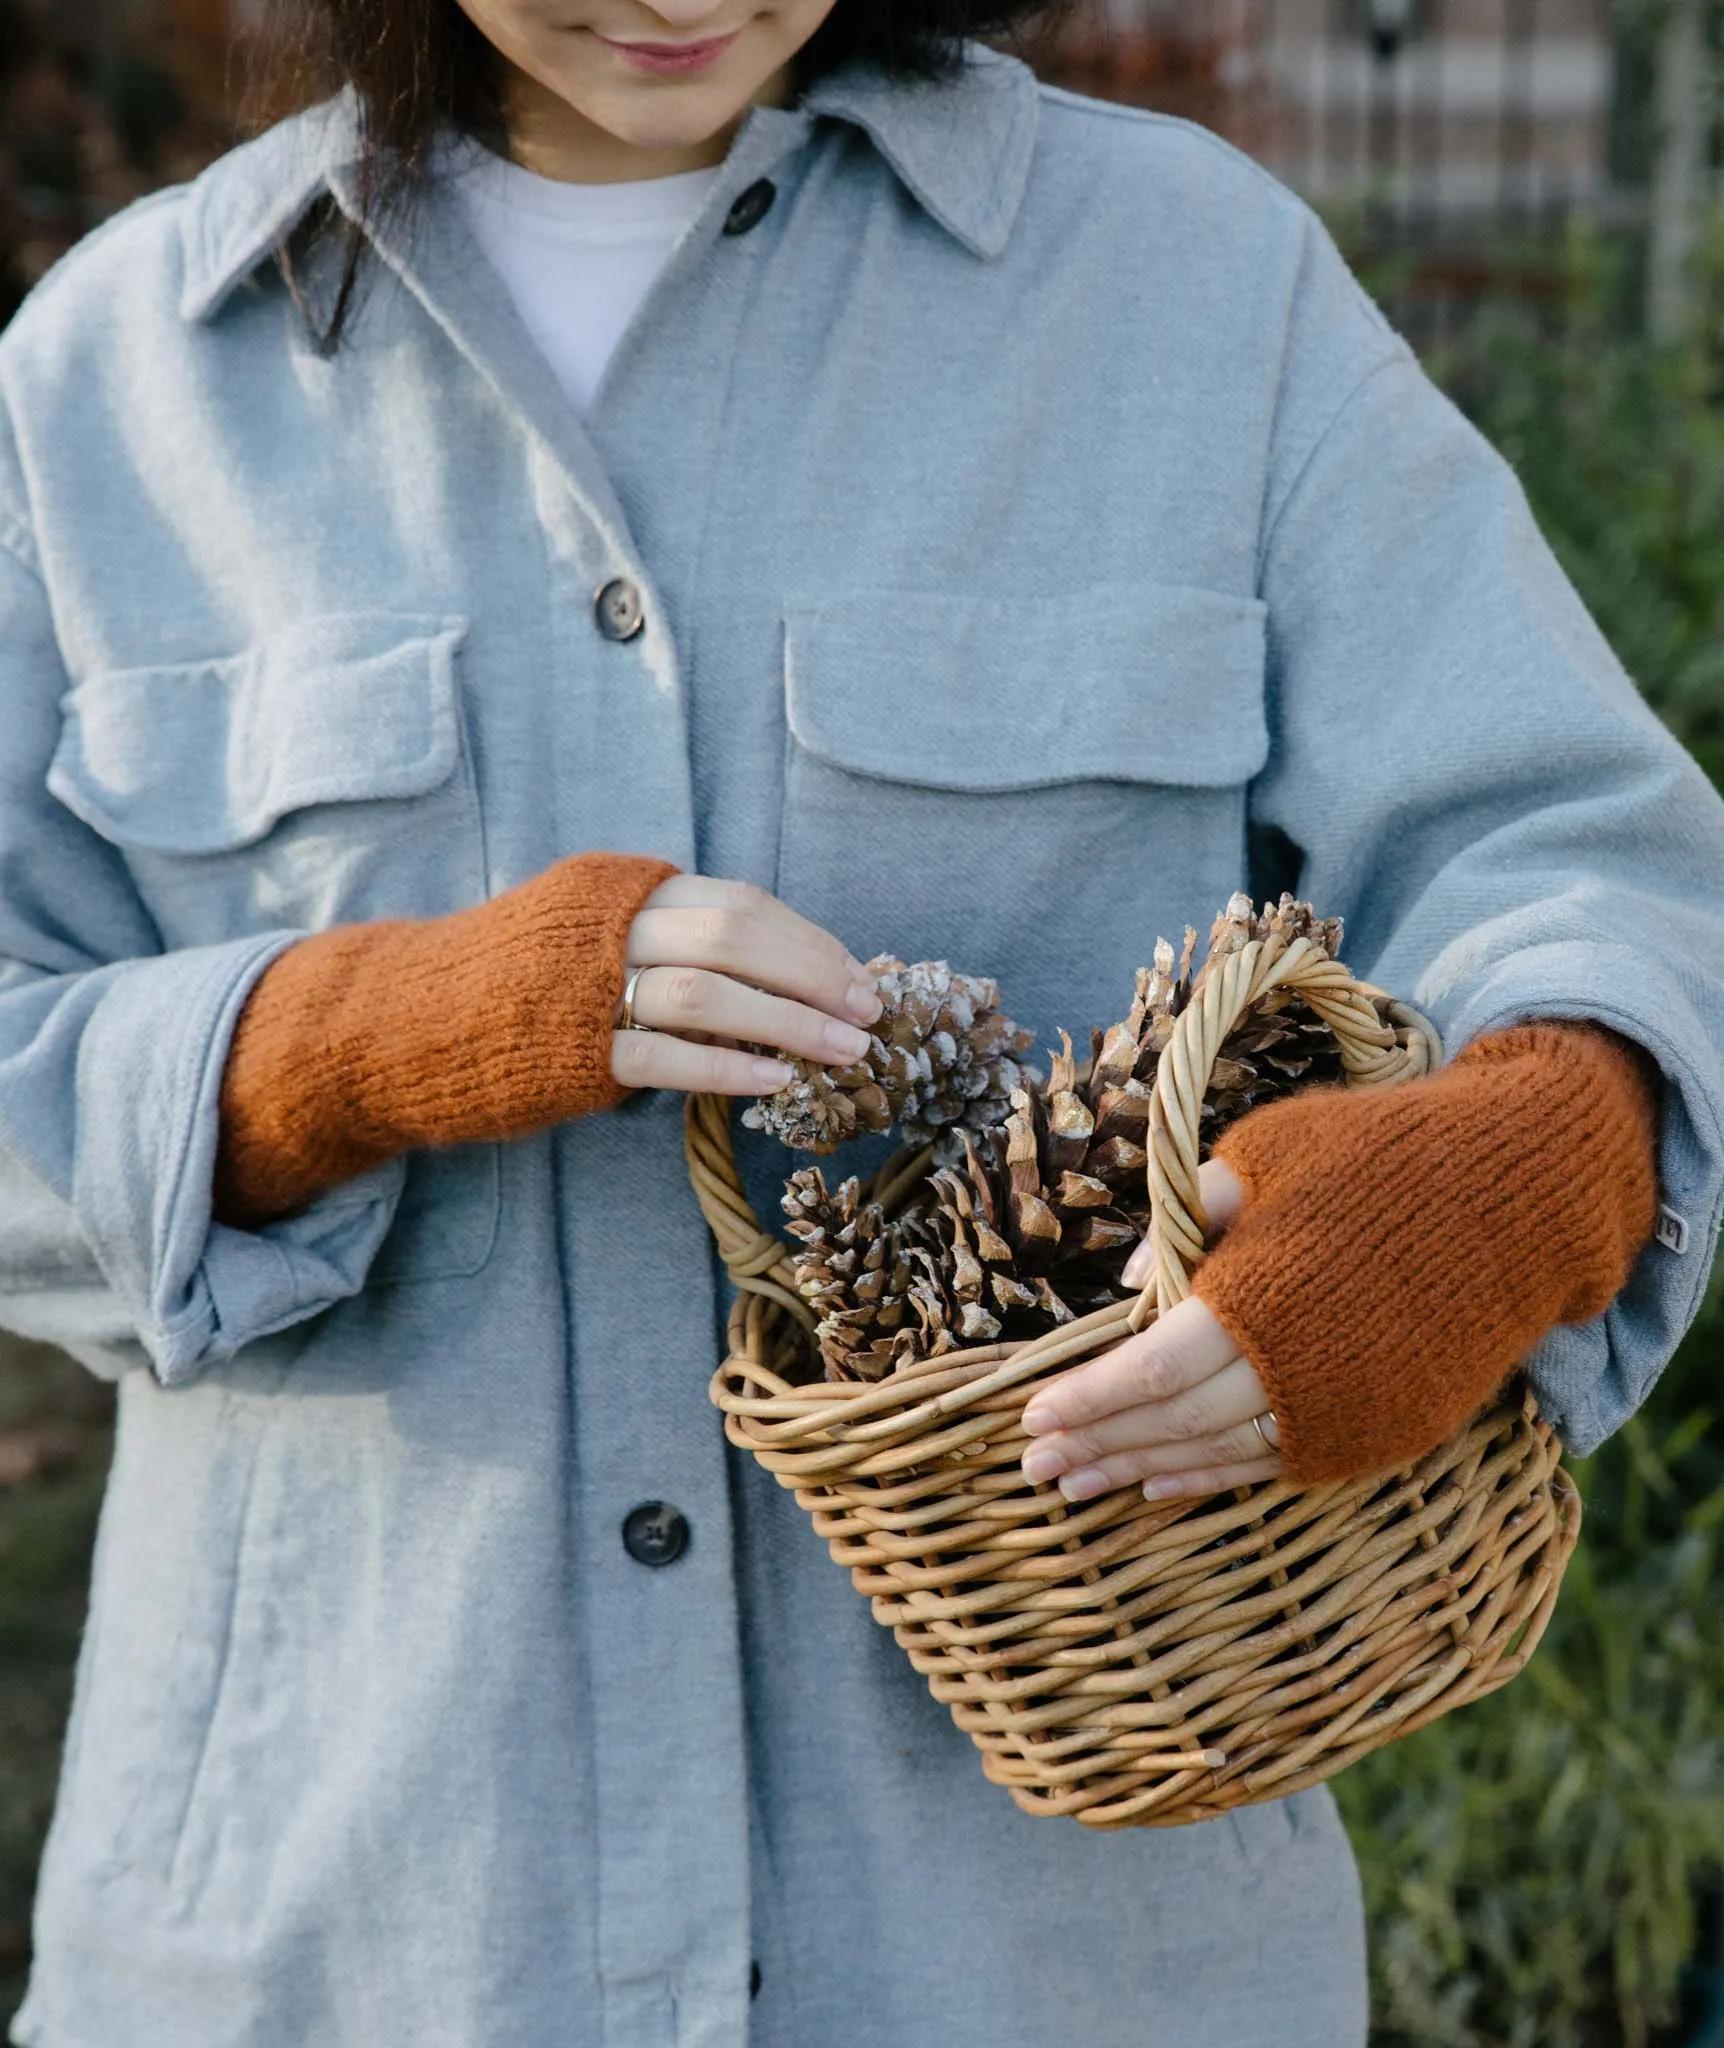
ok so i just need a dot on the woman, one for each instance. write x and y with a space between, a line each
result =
998 529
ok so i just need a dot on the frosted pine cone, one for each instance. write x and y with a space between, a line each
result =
943 1054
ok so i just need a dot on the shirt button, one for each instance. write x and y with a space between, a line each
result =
655 1533
751 207
621 614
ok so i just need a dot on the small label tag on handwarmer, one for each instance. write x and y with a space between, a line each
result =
1672 1231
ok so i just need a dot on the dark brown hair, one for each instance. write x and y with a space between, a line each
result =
420 67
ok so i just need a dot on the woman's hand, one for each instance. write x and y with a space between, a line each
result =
1402 1251
1171 1409
718 965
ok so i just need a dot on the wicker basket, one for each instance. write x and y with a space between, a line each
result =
1125 1663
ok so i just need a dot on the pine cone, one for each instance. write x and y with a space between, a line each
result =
878 1287
1018 1238
944 1054
1032 1225
1052 1206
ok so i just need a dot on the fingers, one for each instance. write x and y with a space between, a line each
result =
1222 1194
707 892
693 1002
1232 1456
1217 1412
1185 1347
1175 1470
1211 1429
1172 1410
653 1059
1210 1479
736 929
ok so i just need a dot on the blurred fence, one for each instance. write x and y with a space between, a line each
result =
1460 136
1444 112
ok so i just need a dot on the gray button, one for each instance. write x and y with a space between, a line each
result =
655 1533
620 612
750 207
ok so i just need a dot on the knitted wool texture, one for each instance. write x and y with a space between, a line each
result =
361 1042
1400 1251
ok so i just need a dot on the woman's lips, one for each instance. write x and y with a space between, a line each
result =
670 60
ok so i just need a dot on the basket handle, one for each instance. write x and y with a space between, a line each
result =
757 1260
1373 1054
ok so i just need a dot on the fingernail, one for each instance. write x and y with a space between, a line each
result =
1085 1484
1039 1419
771 1075
1043 1461
863 1002
846 1041
1167 1488
858 971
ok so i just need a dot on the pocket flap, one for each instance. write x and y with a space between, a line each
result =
1125 683
207 756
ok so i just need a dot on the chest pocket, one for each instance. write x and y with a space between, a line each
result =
1033 787
315 778
320 776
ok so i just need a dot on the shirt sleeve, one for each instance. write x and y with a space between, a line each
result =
111 1056
1460 767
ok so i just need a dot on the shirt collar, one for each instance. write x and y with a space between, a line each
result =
246 205
961 146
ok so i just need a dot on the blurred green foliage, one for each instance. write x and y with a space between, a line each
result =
1543 1870
1619 444
1534 1865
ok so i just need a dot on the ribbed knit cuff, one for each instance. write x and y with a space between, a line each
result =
1401 1250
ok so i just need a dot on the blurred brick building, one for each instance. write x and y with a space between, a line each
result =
1457 137
1443 110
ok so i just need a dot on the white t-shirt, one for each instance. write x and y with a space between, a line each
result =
577 259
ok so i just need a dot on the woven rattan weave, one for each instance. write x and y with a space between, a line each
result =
1125 1663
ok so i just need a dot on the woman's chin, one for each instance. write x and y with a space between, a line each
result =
661 116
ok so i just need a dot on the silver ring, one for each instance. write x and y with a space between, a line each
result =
626 1015
1272 1444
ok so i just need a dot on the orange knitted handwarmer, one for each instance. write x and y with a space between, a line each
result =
1401 1250
360 1042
